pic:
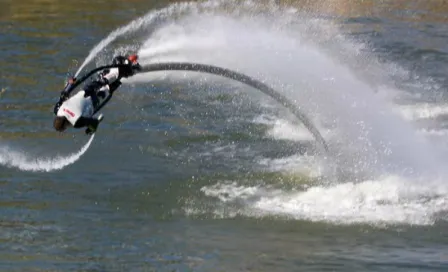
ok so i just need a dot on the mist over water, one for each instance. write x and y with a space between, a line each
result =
301 57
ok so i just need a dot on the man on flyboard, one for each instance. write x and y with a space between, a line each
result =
78 110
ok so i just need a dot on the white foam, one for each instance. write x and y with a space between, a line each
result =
231 191
434 132
20 160
284 130
423 111
309 166
390 200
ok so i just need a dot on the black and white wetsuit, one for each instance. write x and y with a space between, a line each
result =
79 108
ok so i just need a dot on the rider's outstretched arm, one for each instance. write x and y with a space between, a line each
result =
68 89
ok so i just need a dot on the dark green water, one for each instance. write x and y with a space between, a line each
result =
195 173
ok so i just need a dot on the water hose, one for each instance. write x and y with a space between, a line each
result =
196 67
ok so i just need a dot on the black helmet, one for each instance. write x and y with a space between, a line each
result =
60 123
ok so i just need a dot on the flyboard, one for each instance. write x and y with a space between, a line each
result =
210 69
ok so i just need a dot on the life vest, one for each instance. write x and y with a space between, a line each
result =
75 107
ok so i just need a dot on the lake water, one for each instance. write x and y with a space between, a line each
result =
194 172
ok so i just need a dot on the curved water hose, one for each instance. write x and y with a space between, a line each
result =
196 67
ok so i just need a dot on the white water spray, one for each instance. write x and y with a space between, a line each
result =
373 137
390 168
20 160
144 22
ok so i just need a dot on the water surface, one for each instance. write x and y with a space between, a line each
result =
195 173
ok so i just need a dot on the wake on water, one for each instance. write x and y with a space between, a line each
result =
20 160
387 170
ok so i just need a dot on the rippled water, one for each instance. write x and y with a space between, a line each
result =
192 172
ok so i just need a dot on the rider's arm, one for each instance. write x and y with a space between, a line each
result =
67 89
65 94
